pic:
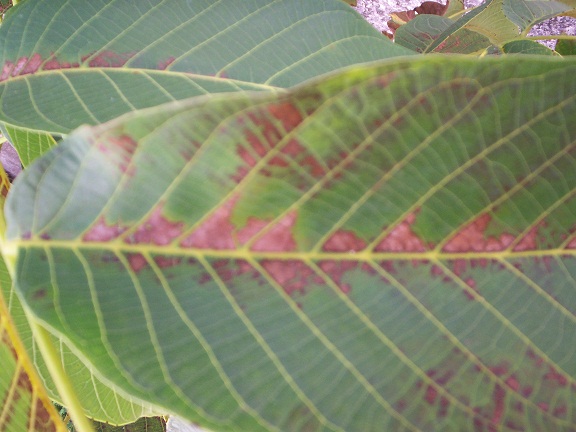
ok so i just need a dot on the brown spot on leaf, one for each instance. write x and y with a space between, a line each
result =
556 377
472 238
165 262
287 113
280 237
162 65
136 261
472 284
120 149
293 275
402 238
336 270
102 232
216 232
344 241
513 383
39 294
23 66
156 230
498 398
530 240
108 58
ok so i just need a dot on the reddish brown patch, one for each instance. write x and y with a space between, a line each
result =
287 113
499 370
571 243
53 64
513 383
336 271
280 237
229 270
543 406
119 150
498 397
431 394
473 238
538 361
472 284
156 230
294 150
556 377
22 66
443 409
165 262
136 261
436 271
344 241
560 411
162 65
530 240
402 238
216 232
253 226
39 294
110 59
294 276
102 232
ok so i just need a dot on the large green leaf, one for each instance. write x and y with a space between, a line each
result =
390 248
101 58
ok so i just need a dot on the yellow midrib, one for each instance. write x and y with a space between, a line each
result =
11 247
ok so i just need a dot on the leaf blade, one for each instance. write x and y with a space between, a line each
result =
295 281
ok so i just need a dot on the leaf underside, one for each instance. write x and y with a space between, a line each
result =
389 248
103 58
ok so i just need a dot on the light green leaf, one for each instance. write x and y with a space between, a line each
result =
527 13
28 143
390 248
102 58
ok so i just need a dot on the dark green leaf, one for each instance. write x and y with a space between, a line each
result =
102 58
526 47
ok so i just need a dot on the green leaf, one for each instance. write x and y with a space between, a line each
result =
99 400
566 47
421 33
102 58
526 13
526 47
25 402
28 143
389 248
154 424
488 21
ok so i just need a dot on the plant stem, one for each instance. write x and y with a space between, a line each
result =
63 384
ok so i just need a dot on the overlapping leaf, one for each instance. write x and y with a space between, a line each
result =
391 248
102 58
25 405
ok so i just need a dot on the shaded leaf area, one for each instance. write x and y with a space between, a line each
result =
107 57
421 34
526 47
565 47
390 248
98 400
493 23
24 403
152 424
